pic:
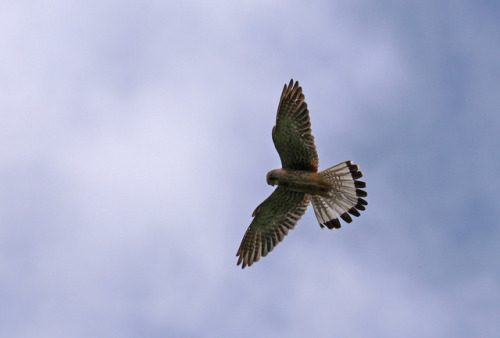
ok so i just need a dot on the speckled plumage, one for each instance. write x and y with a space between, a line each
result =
273 218
333 192
292 133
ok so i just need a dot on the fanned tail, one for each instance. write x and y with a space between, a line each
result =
343 199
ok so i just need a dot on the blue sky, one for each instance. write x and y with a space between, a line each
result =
135 141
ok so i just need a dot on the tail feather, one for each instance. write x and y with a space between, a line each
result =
344 199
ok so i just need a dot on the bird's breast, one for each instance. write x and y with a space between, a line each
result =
304 181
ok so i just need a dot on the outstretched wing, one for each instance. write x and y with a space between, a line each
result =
273 218
292 133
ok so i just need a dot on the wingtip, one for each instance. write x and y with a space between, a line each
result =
292 85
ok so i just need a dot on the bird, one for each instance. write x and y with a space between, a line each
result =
334 192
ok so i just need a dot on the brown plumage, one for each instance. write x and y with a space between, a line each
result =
334 192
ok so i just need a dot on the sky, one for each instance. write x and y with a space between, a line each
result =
135 138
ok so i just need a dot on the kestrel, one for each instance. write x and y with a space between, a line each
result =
333 192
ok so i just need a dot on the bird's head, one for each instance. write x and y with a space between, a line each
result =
273 177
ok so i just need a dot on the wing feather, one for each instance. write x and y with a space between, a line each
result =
292 133
274 217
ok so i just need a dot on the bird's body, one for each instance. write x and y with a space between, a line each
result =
333 192
300 181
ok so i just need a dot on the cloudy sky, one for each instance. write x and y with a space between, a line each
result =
136 136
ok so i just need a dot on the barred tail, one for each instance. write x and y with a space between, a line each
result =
343 199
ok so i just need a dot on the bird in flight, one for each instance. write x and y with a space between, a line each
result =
333 192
